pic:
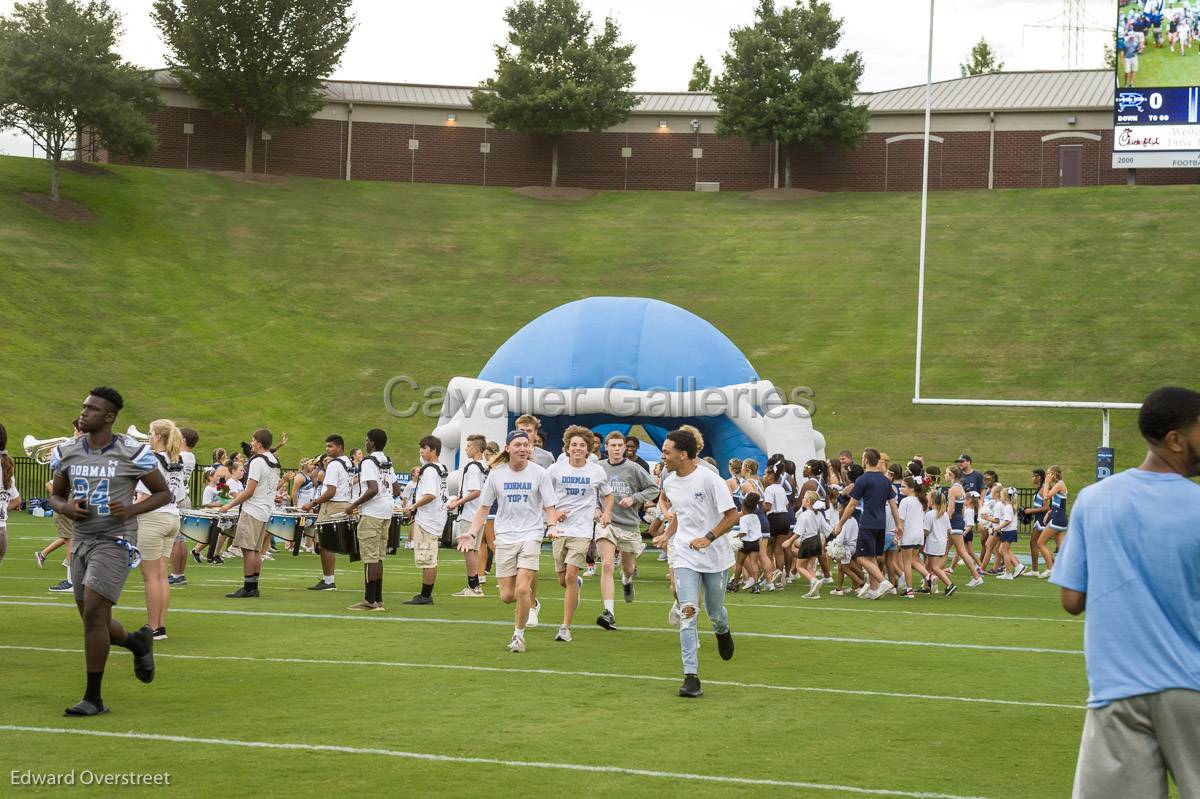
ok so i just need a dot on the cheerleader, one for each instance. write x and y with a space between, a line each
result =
937 533
1056 519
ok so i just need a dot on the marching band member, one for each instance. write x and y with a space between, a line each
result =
474 474
259 502
429 516
378 488
333 499
177 578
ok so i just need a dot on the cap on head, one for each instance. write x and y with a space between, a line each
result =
514 435
964 457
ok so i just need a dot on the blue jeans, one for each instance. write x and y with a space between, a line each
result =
687 586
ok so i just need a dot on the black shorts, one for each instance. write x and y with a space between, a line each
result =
778 522
750 546
810 547
910 546
870 544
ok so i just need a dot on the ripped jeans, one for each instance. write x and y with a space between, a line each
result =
687 586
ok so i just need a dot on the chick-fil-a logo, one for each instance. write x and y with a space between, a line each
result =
1128 139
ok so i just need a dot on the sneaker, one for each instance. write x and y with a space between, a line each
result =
196 556
908 594
242 593
673 615
885 587
733 587
591 572
607 620
533 615
517 644
160 634
469 591
268 556
725 645
379 608
1045 575
814 591
41 559
233 552
362 605
863 590
662 556
143 665
691 686
419 600
564 635
217 561
837 592
177 582
975 582
1004 577
1021 569
950 589
63 587
628 589
323 586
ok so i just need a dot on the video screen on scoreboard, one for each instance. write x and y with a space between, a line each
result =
1157 103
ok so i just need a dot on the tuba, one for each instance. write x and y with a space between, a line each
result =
41 449
137 435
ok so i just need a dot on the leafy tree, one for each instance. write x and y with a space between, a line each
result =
61 78
782 84
261 60
1110 56
556 75
701 76
983 60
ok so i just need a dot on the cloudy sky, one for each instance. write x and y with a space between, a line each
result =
451 42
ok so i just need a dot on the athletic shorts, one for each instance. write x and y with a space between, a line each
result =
249 532
156 533
750 546
626 539
425 547
870 544
101 565
372 538
778 524
570 551
521 555
969 536
1009 536
809 547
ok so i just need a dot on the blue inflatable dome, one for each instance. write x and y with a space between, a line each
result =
626 342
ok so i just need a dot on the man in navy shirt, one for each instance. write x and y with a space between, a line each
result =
1132 557
971 479
874 492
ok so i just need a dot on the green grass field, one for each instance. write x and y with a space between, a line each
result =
1160 67
227 305
978 695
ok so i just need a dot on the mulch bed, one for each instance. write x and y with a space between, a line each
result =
64 209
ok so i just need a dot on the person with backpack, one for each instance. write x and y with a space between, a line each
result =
377 491
429 516
474 475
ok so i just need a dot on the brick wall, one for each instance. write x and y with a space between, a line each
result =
660 161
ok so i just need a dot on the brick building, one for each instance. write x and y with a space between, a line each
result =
1005 130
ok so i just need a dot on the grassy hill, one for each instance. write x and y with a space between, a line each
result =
229 305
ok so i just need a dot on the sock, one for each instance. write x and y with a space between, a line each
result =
519 633
250 582
327 579
94 678
472 582
608 606
427 590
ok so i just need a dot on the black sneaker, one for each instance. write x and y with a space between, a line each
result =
242 593
62 587
607 620
143 665
323 586
160 634
177 582
951 589
628 589
196 557
691 686
419 600
217 561
725 645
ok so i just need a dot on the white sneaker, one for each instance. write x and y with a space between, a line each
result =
591 572
673 616
1004 576
885 587
791 578
837 592
469 591
662 556
863 590
517 644
1045 575
268 556
814 592
1021 569
975 581
533 615
564 634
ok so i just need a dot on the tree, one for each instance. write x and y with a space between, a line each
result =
555 75
701 76
983 60
261 60
781 84
1110 56
60 77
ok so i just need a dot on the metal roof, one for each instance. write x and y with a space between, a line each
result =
1077 90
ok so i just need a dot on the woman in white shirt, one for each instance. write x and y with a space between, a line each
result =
913 503
158 528
937 539
748 538
775 504
807 540
1006 512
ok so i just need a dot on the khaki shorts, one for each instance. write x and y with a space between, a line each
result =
463 526
327 509
156 534
510 557
64 526
372 538
625 539
425 547
101 565
249 533
570 551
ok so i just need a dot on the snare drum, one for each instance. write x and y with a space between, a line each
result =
197 525
339 533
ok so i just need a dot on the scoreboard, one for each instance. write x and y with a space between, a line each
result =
1156 107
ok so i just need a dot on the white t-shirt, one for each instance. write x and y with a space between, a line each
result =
7 495
264 471
751 527
939 532
210 495
775 494
1007 516
913 517
337 476
565 458
380 506
809 524
473 478
576 492
176 484
189 466
432 482
699 501
849 538
521 497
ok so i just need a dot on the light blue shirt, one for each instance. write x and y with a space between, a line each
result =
1134 548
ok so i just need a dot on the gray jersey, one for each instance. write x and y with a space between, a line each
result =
627 479
103 476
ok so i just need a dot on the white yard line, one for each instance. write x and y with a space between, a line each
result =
536 764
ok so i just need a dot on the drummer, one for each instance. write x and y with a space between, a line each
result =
377 491
333 499
259 499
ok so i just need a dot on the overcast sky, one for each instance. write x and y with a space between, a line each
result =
451 42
